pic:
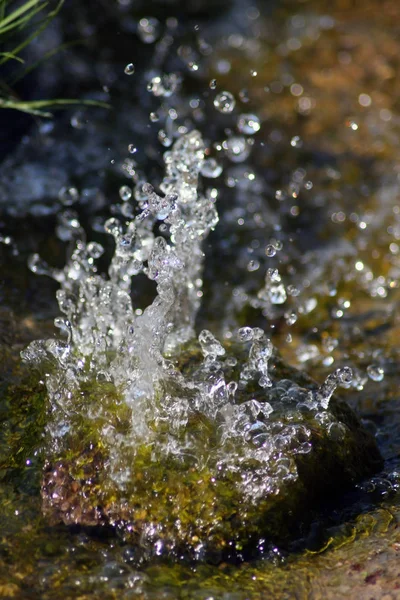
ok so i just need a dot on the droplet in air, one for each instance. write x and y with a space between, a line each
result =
248 124
224 102
164 138
375 372
296 141
211 168
148 29
237 149
270 251
125 193
129 69
277 294
68 195
94 249
253 265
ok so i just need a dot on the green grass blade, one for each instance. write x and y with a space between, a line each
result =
3 4
35 107
19 11
44 24
22 21
11 56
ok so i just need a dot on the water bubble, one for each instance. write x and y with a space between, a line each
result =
237 149
129 69
375 372
211 168
125 193
224 102
68 195
148 29
213 84
248 124
132 149
154 117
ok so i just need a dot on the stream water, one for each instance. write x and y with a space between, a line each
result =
269 134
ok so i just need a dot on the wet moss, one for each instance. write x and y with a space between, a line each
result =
190 505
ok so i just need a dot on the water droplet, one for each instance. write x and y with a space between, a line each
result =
129 69
224 102
213 84
291 318
125 193
164 85
148 29
270 251
37 265
248 124
112 226
253 265
164 138
132 149
211 168
277 294
94 250
237 149
244 96
245 334
68 195
296 141
375 372
77 120
209 344
292 290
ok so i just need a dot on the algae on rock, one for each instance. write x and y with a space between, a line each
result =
194 449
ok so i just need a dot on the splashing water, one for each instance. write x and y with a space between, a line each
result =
107 341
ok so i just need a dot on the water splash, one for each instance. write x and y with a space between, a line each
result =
104 339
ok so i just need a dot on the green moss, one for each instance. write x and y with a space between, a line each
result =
191 504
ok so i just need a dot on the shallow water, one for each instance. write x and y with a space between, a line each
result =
327 96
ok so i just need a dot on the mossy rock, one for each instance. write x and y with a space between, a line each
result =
194 506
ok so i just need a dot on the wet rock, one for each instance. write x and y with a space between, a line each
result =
206 506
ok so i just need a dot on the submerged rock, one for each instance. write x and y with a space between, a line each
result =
217 500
